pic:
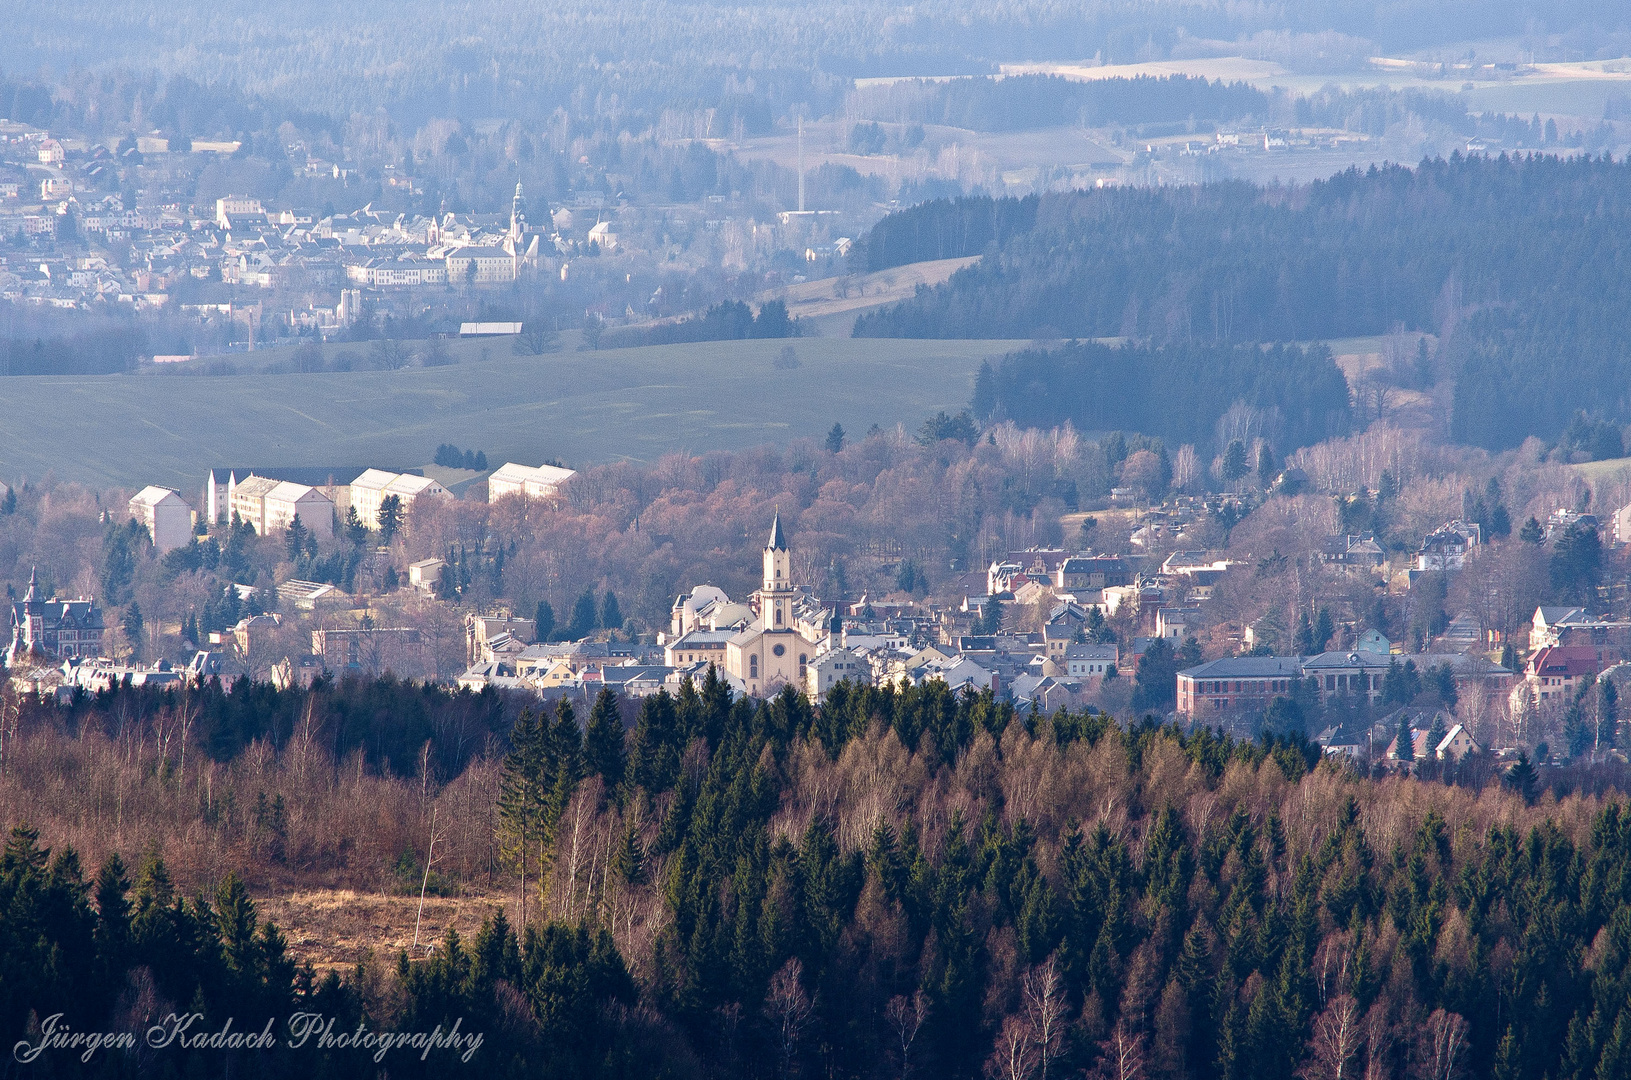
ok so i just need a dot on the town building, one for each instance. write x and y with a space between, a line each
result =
370 651
1353 552
772 652
1445 549
1456 743
1555 673
53 628
219 484
833 667
1236 684
481 266
270 505
165 515
1089 573
481 631
425 574
1249 683
528 481
1090 661
374 486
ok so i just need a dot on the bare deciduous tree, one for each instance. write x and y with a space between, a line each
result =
1333 1050
1442 1047
1014 1057
1122 1054
906 1016
1045 1009
788 1007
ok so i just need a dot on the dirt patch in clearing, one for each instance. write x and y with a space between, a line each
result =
337 927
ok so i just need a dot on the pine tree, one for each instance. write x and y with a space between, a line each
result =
390 518
835 438
628 860
1324 630
1303 640
523 791
611 616
133 625
355 531
294 538
583 616
1522 778
543 622
1405 741
603 739
1267 467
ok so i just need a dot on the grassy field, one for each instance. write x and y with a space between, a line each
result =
1612 469
580 407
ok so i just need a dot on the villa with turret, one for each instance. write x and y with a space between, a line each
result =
53 628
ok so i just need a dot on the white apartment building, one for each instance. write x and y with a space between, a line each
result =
231 205
270 505
542 482
374 486
166 516
493 266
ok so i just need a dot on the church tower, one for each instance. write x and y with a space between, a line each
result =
518 220
776 598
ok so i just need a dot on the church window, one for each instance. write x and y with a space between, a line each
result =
779 650
778 614
753 667
804 661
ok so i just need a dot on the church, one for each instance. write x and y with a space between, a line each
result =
775 649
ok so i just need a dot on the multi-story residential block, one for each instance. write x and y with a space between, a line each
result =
532 482
270 505
374 486
166 516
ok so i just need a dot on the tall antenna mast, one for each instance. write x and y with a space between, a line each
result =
801 164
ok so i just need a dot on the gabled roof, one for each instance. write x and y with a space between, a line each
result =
1565 661
153 496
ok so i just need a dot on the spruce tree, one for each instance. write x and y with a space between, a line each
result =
523 789
603 740
1405 747
583 616
835 438
543 622
611 616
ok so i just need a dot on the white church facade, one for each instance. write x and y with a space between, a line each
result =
776 648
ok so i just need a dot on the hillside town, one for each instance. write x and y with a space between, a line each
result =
1043 628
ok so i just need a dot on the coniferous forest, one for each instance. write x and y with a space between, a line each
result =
1511 261
897 883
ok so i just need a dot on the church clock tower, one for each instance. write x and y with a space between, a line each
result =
776 598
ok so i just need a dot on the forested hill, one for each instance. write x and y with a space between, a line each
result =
1177 393
901 882
1518 261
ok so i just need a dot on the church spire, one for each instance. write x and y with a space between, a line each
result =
778 540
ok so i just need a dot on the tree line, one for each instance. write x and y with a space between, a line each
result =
1179 393
1026 102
